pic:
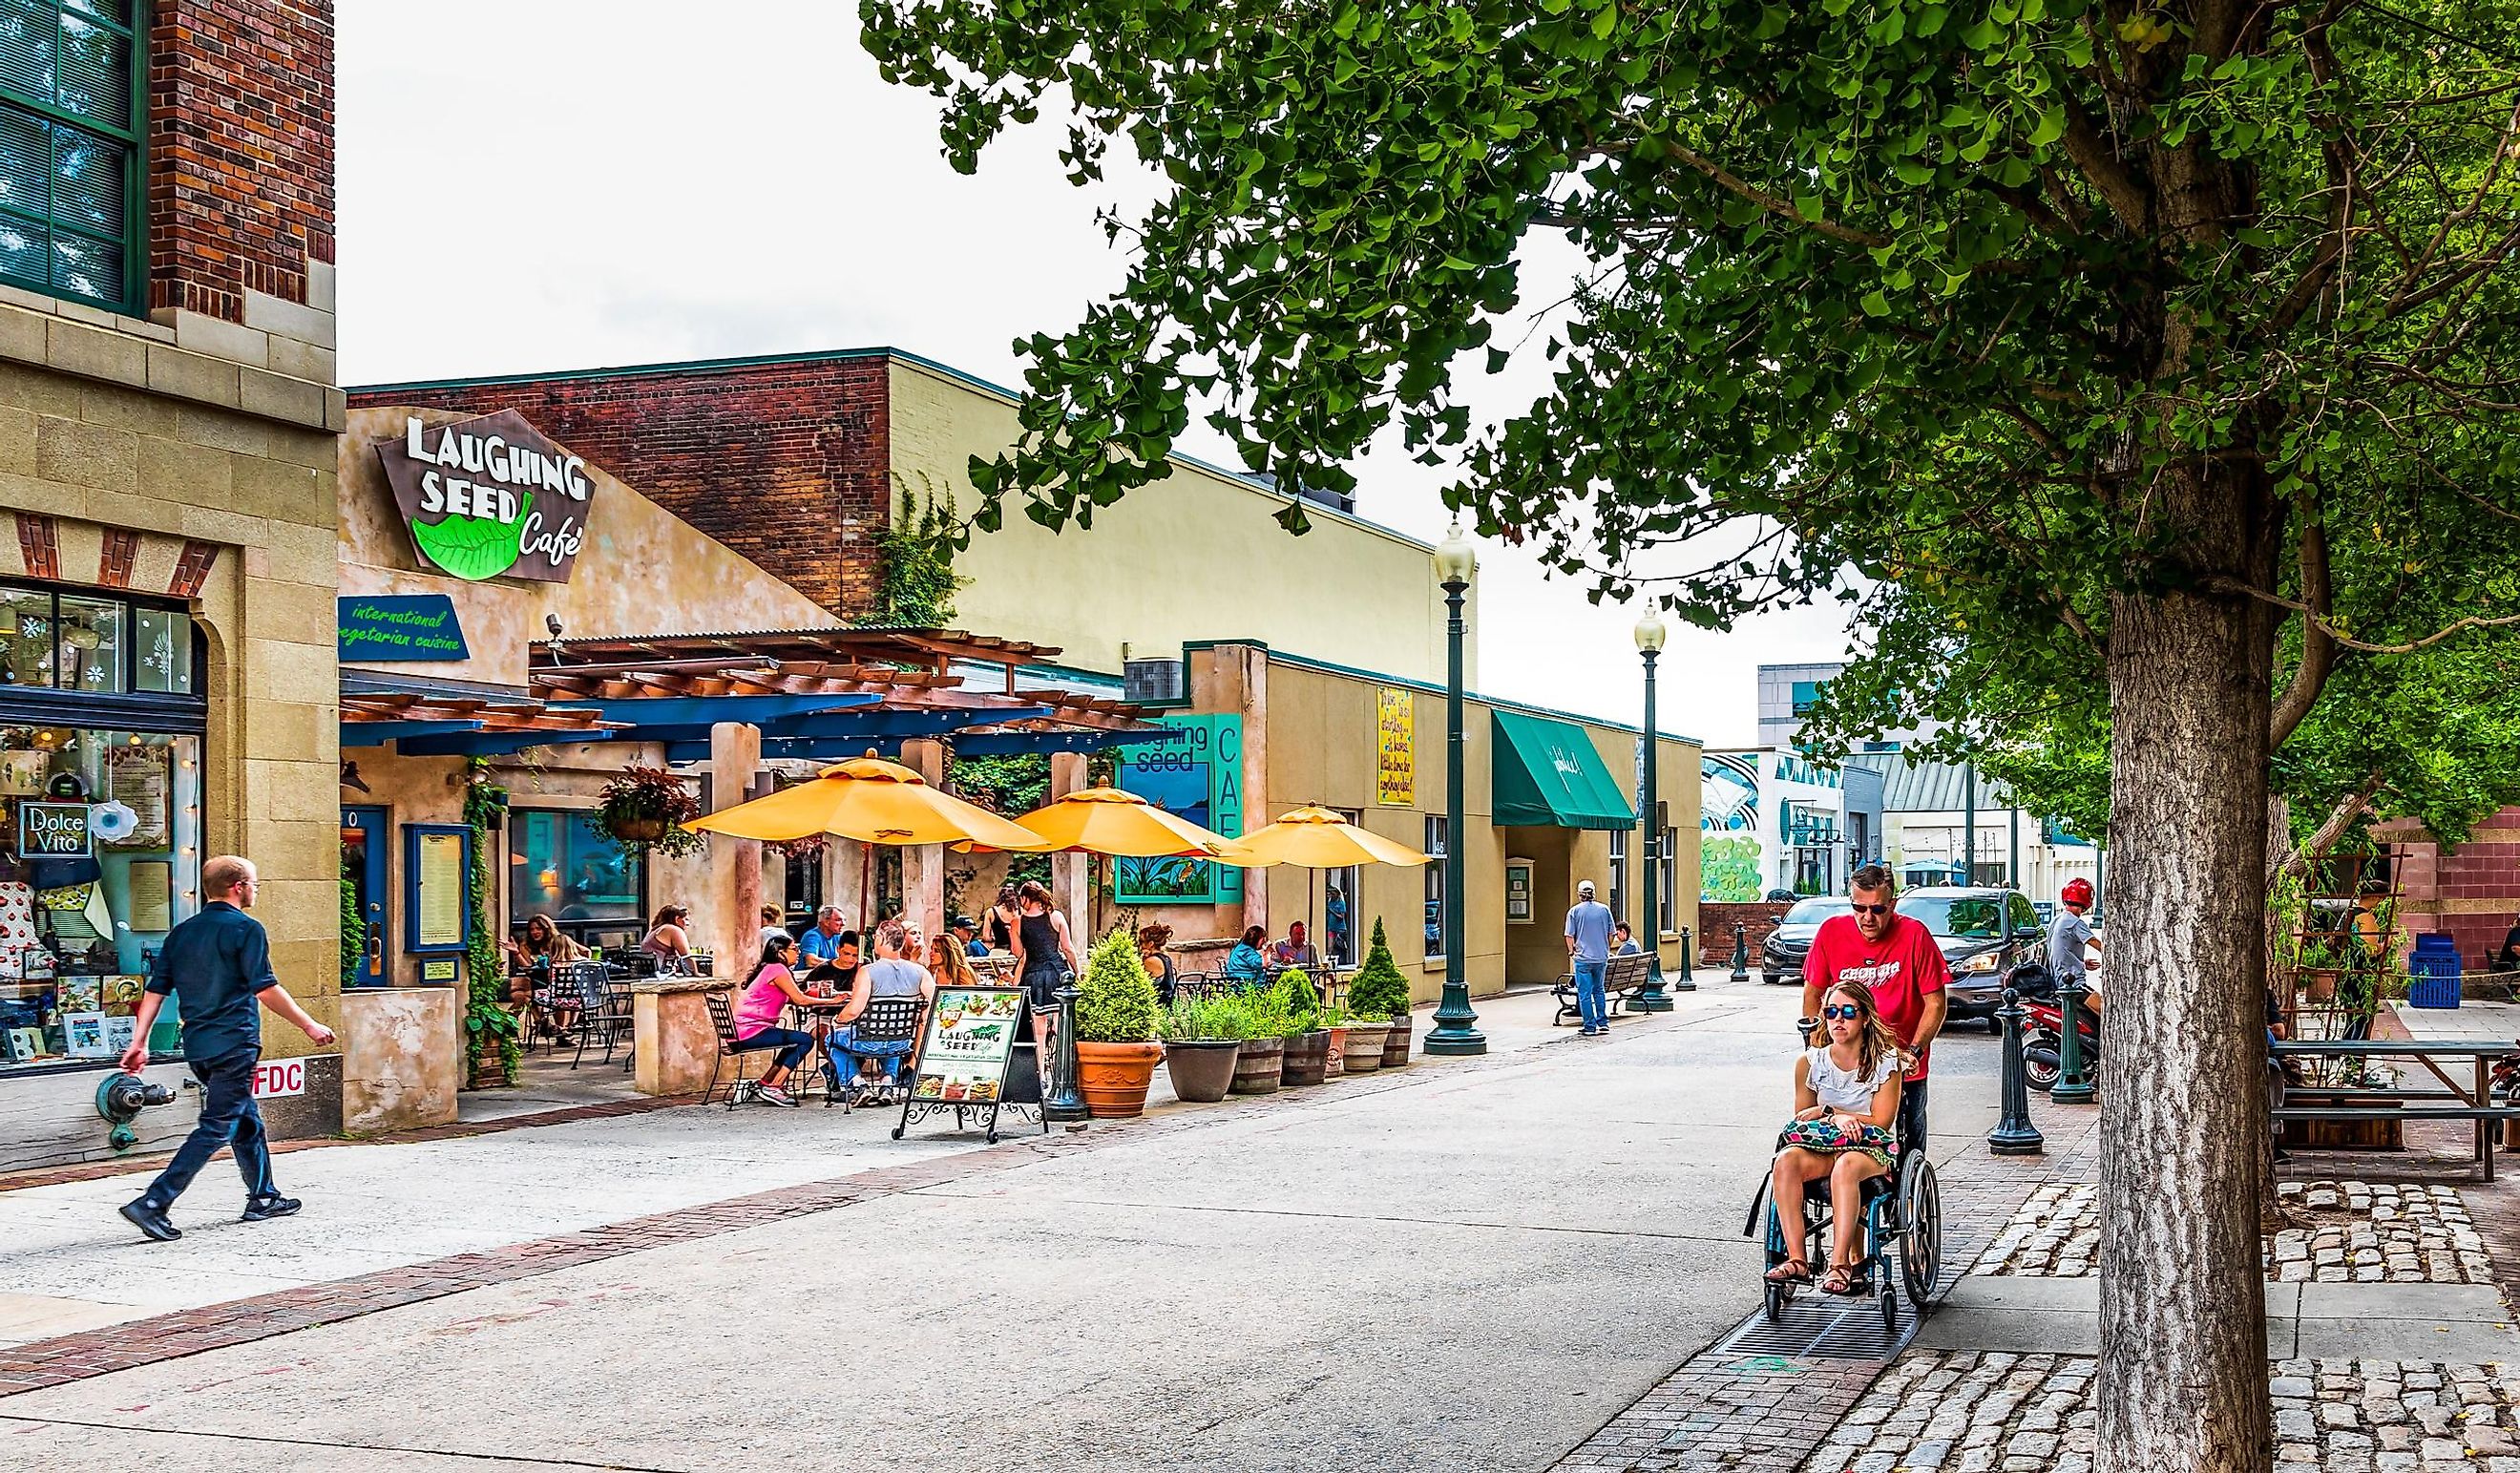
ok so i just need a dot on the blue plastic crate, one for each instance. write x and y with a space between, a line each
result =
2433 992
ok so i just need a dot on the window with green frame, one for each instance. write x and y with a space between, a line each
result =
71 114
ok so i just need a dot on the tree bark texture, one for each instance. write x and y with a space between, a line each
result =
2183 1122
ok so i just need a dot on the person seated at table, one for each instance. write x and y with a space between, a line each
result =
950 964
534 959
890 975
1245 963
771 929
2507 960
1846 1107
822 940
1158 962
837 971
668 941
1623 941
966 934
761 1002
1295 950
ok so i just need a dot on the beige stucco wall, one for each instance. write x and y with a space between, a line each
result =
1193 556
642 571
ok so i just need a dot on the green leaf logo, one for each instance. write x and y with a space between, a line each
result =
471 547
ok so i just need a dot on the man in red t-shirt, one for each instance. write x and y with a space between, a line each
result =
1897 959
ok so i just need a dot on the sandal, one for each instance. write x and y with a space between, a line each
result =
1840 1280
1792 1270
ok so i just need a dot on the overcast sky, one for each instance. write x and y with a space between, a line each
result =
566 184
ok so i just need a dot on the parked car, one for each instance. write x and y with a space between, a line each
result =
1992 939
1781 956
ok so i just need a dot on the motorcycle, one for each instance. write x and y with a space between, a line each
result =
2043 1043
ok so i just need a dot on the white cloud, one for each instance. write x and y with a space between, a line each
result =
626 183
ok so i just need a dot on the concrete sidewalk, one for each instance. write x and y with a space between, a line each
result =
2392 1322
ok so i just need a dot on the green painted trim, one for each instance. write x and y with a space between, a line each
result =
1493 703
133 137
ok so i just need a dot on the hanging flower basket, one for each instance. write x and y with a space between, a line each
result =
647 806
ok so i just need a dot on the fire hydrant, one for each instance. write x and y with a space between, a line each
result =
119 1098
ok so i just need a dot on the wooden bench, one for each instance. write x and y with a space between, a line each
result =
1624 977
2471 1099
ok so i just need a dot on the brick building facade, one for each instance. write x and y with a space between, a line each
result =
169 427
786 461
2472 891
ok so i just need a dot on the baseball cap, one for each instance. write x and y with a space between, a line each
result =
1584 887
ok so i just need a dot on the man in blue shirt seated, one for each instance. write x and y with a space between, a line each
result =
218 966
966 934
822 939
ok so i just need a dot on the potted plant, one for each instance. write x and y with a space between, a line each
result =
1115 1029
1381 989
1334 1020
1202 1047
491 1031
1258 1066
1297 1010
2322 968
649 805
1366 1032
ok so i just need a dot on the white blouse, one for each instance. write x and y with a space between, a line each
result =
1841 1089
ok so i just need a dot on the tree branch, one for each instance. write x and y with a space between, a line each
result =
2339 819
2321 622
2318 645
2126 195
1770 203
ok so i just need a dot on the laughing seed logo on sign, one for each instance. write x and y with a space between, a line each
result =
490 496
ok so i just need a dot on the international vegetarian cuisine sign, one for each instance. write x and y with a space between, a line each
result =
970 1034
489 497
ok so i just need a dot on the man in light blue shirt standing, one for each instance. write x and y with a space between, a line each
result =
1588 944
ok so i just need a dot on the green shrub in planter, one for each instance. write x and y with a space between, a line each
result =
1291 1007
1115 1001
1208 1019
1378 987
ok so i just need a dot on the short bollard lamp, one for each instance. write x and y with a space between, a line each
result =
1060 1101
1456 1029
2013 1134
2074 1082
1651 998
1741 954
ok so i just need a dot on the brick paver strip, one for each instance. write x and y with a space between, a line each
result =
128 1166
189 1332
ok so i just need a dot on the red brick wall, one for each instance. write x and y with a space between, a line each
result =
239 151
789 463
1715 923
2472 891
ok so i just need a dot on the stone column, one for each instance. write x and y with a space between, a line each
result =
922 866
732 894
1070 887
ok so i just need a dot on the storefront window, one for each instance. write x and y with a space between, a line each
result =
93 646
99 858
25 637
561 868
1436 826
162 651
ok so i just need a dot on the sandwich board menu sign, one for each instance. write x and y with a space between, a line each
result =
965 1044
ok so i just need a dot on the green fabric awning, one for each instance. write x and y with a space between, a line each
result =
1547 772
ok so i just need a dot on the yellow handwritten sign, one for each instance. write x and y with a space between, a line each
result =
1395 722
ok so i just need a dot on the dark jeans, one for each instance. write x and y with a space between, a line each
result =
229 1118
791 1045
1911 1115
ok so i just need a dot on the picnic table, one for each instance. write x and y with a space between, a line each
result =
2470 1098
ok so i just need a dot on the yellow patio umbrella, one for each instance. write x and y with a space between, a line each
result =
875 802
1317 838
1113 820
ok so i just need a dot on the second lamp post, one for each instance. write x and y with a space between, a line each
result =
1652 998
1456 1029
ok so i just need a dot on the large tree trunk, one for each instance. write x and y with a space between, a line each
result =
2183 1123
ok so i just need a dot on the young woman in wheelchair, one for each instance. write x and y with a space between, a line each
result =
1844 1131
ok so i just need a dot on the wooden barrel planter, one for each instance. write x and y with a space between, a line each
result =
1395 1043
1256 1065
1364 1046
1201 1069
1308 1059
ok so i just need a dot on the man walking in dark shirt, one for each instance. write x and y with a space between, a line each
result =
218 966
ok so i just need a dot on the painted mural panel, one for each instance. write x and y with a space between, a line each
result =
1730 867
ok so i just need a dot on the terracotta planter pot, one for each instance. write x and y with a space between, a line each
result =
1395 1044
1364 1046
1308 1059
1336 1064
2318 984
640 830
1113 1078
1201 1069
1255 1067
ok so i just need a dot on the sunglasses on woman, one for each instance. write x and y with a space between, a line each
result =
1837 1011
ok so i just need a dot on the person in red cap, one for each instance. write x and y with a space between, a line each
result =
2070 941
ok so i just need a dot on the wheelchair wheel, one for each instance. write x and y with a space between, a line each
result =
1778 1296
1921 1234
1889 1308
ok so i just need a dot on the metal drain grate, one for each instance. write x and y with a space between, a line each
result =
1821 1328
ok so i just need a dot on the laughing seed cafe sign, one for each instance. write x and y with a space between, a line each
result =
489 497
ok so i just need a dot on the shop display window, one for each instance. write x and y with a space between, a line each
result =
93 646
558 866
100 856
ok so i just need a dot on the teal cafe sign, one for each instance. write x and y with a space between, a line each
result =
489 497
400 627
1194 771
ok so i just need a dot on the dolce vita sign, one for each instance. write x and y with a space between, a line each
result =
489 497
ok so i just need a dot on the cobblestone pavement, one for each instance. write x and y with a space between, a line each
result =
2357 1232
1966 1411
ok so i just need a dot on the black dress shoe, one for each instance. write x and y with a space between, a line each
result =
264 1209
150 1220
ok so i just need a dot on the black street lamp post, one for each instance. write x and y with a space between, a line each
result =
1456 1029
1652 998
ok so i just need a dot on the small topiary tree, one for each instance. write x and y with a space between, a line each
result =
1293 1004
1377 989
1115 1001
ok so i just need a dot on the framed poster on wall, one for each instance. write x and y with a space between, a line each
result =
437 868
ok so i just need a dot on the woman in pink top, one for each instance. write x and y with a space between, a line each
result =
758 1003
